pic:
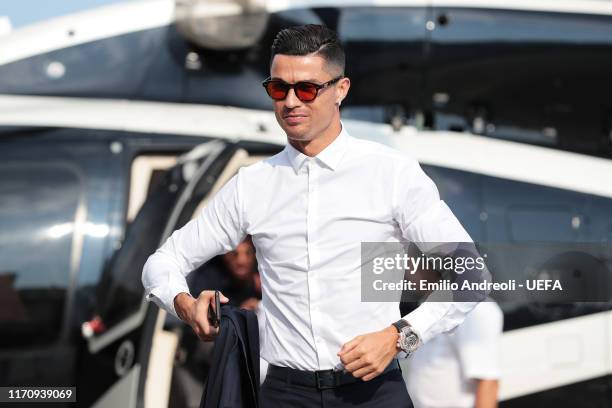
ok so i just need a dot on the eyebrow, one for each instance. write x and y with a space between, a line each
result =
316 81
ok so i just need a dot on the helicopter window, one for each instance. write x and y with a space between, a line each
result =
462 192
39 211
470 24
599 221
145 171
381 23
521 75
552 223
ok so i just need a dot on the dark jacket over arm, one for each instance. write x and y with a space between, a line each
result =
233 380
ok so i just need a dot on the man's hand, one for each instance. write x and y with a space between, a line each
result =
367 356
194 312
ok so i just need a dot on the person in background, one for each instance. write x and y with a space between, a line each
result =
459 369
233 273
240 285
253 302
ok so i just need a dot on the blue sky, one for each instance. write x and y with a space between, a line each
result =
23 12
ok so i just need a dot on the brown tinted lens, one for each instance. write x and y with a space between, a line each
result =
305 91
277 90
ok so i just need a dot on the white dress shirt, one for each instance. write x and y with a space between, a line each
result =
443 372
308 217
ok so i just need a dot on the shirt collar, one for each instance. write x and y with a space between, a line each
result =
330 156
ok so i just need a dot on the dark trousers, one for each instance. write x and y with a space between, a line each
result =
386 390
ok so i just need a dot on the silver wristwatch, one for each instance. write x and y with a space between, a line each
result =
408 340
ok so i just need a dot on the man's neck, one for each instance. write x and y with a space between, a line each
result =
315 146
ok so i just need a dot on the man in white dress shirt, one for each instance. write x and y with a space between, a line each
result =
308 209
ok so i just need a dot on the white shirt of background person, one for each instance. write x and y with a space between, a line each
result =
460 368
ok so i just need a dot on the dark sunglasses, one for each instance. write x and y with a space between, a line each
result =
304 90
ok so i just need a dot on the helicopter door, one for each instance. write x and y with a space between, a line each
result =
125 328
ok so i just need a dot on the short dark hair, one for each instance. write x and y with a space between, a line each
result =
308 39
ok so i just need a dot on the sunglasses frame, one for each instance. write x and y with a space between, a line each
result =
289 86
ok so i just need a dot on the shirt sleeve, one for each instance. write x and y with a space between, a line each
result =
217 229
424 218
477 341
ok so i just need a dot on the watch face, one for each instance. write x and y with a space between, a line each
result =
410 342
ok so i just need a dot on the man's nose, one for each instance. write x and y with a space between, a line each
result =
291 101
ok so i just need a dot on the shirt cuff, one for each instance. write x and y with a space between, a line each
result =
483 374
425 317
164 297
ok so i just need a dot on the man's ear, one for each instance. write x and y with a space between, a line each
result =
343 89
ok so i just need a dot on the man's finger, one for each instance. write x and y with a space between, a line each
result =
204 322
355 365
370 376
198 331
348 346
350 356
363 372
223 298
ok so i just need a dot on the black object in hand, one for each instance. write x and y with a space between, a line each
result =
214 313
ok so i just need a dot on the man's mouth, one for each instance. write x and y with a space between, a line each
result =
294 119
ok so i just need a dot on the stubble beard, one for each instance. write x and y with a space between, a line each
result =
298 137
